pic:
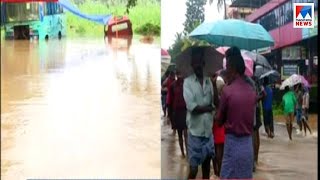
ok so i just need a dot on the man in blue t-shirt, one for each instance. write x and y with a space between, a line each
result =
267 109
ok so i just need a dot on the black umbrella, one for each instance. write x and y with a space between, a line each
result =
260 70
257 58
272 75
213 61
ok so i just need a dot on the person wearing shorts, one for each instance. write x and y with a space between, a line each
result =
305 110
289 102
199 96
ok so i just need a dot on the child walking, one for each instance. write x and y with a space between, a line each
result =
289 102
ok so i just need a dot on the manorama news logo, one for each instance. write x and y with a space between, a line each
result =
303 15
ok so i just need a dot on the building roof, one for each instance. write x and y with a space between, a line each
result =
265 9
249 3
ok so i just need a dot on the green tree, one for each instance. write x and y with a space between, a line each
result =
194 14
181 43
194 17
131 4
176 48
220 4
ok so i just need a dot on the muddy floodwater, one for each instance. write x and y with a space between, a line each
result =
79 109
279 158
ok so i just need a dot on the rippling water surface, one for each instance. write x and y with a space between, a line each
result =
78 109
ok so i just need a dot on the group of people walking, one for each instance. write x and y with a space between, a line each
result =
218 118
296 103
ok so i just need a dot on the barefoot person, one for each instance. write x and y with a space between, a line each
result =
305 110
167 83
289 102
267 109
236 113
254 83
298 93
256 135
179 111
198 95
218 131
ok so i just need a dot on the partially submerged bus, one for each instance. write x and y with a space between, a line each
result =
118 32
38 20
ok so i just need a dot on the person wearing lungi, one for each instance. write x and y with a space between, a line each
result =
198 95
236 112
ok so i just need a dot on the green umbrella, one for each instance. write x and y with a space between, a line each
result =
233 32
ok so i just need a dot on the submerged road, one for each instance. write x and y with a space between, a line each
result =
278 158
78 109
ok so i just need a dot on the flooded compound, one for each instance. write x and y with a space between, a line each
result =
78 109
278 158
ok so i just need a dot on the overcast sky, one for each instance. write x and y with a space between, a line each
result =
173 16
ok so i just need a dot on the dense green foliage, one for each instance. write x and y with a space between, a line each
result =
148 29
194 14
176 48
181 43
194 17
145 16
128 3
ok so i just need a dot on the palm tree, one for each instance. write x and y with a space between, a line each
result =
221 3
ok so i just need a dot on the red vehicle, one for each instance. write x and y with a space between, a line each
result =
119 30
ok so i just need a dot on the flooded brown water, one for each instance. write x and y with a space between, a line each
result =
278 158
313 120
76 109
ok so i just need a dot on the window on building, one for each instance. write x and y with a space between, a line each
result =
288 13
281 22
60 9
54 8
285 13
57 9
278 17
49 8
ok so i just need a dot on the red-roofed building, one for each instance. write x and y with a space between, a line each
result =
295 50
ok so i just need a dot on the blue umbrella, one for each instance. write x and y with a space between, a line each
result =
233 32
